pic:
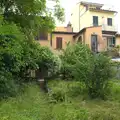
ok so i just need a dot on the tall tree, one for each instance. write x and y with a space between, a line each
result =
32 15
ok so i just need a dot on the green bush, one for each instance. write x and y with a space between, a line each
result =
98 83
76 59
94 70
7 85
57 95
18 56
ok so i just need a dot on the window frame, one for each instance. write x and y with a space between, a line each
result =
109 21
59 43
111 41
95 20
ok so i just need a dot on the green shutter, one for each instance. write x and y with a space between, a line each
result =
114 40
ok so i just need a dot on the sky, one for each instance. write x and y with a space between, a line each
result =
69 4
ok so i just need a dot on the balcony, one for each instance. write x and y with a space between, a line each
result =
105 27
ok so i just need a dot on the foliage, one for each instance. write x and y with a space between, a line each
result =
7 85
92 69
20 22
32 15
74 57
33 105
112 52
18 56
97 84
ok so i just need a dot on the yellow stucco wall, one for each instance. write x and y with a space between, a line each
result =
95 31
45 42
118 40
75 18
86 18
66 38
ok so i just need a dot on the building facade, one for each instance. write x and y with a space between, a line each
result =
87 14
90 24
58 39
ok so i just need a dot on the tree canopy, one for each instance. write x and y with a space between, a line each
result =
32 15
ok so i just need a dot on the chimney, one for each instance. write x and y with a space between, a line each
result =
69 27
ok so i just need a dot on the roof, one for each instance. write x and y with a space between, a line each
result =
101 10
83 30
62 32
90 3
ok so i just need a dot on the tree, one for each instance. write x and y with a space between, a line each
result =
20 21
32 15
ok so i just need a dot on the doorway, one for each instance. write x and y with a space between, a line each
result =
94 43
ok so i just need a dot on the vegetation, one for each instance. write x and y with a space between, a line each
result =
34 104
32 16
90 74
94 70
20 23
18 56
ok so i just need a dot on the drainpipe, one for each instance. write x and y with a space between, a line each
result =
79 16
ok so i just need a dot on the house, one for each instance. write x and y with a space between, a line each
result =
57 39
95 25
94 37
91 25
87 14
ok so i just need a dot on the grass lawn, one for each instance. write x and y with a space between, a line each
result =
66 101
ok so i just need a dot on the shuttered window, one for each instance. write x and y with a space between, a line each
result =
109 21
59 43
95 20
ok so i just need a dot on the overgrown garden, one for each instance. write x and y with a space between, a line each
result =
78 74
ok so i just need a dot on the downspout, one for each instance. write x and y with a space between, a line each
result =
79 16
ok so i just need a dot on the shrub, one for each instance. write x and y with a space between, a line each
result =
76 58
57 95
7 85
18 56
49 61
94 70
98 83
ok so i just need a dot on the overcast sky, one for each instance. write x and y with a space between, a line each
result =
69 4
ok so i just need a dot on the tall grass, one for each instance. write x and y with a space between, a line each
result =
35 105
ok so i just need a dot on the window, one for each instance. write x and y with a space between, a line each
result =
111 42
59 43
95 20
42 36
94 43
109 21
